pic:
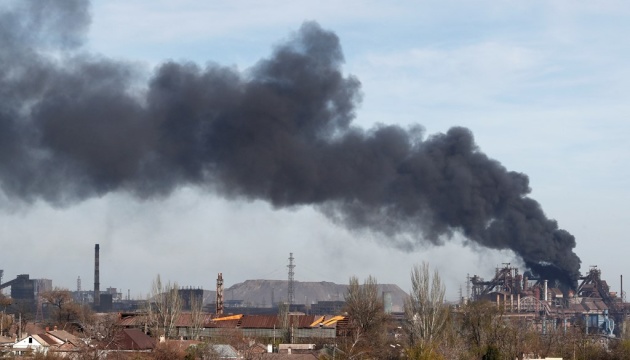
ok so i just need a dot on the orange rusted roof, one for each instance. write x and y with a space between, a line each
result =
231 317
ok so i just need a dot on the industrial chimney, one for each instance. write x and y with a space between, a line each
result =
219 299
97 284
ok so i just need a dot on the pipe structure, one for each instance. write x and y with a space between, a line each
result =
545 289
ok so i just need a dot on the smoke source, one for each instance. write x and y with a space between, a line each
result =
75 125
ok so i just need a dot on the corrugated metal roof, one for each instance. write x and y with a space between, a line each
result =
302 321
65 336
318 321
133 339
43 340
223 324
260 322
50 340
132 320
230 317
240 321
333 320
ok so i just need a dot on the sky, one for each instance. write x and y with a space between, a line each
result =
542 85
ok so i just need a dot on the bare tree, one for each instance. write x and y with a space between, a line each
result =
5 321
283 315
165 306
425 311
197 317
64 309
367 317
482 326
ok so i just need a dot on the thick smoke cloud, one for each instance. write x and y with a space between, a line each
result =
75 125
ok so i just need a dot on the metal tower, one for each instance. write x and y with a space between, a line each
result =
291 273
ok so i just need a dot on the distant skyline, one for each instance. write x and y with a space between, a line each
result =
542 85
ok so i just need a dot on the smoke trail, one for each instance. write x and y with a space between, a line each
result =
74 125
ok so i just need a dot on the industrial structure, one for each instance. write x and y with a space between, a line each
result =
219 298
291 289
97 284
591 305
22 288
192 298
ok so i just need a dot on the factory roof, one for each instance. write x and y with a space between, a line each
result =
240 321
589 305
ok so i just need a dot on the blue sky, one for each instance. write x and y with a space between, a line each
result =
543 85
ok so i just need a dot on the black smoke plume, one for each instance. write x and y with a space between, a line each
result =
75 125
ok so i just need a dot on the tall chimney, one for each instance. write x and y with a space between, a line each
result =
545 295
97 284
219 300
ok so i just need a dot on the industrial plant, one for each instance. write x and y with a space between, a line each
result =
591 305
550 306
546 305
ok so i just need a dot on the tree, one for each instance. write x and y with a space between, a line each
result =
204 350
64 309
5 321
367 318
285 330
484 328
165 306
425 311
197 317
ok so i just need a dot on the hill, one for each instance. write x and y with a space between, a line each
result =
264 293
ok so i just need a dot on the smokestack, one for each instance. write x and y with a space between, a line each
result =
545 291
281 132
97 284
219 299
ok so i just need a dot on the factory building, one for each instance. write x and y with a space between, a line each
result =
591 305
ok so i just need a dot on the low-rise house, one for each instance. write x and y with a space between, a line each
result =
5 345
4 341
130 339
59 341
30 344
